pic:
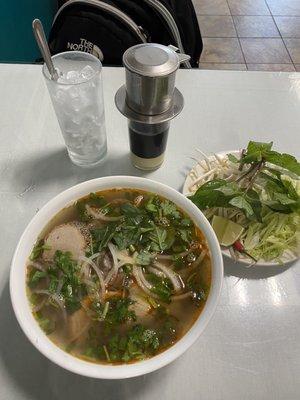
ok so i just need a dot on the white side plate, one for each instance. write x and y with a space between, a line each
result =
199 170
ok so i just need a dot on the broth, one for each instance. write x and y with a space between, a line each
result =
119 276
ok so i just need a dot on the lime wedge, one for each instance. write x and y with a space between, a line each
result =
227 231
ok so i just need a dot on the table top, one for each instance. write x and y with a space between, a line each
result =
251 347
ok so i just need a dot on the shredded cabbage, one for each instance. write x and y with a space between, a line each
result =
277 234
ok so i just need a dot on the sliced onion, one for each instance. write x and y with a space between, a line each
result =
137 201
156 272
98 272
124 257
173 276
97 214
199 260
169 257
144 280
136 274
95 255
114 270
181 296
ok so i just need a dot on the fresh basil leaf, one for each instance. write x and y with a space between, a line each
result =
291 191
241 203
254 147
230 189
254 200
283 199
255 152
232 158
208 199
272 183
277 206
283 160
213 184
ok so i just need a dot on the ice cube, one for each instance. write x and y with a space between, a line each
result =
87 72
73 76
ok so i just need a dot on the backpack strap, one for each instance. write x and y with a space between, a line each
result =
167 16
110 9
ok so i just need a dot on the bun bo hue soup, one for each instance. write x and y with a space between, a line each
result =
119 276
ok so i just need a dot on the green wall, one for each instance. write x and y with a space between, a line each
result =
17 43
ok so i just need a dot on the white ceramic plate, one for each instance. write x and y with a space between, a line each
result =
199 170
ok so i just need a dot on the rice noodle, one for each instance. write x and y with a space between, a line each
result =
97 214
98 272
173 276
114 270
181 296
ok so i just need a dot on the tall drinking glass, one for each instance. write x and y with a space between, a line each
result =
77 98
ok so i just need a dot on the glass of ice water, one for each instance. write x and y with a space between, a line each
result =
77 98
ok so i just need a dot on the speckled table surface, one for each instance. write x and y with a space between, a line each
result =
251 348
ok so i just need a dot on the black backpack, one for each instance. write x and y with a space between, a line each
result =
106 28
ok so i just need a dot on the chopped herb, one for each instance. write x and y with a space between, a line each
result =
101 236
127 269
35 277
161 287
47 325
38 249
138 343
169 209
144 258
